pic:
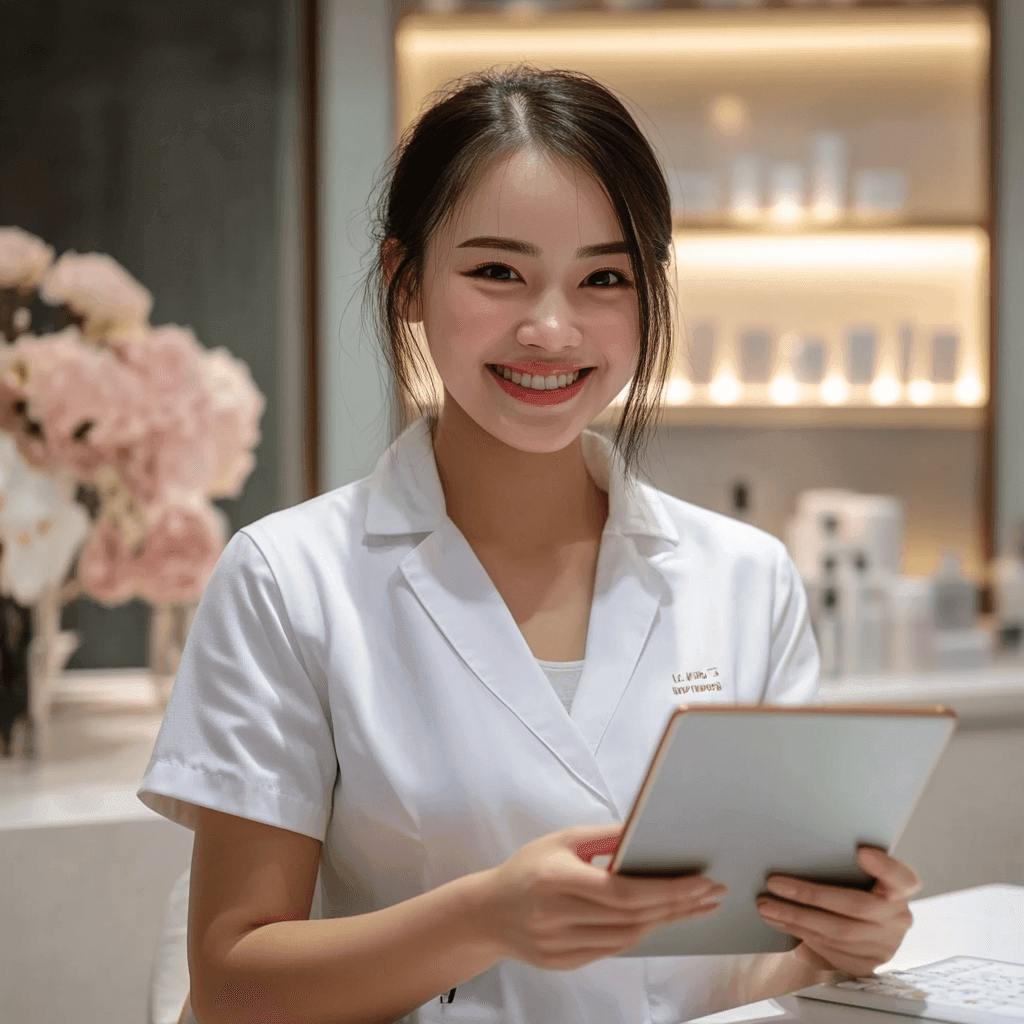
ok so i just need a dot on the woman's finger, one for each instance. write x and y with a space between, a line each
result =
900 881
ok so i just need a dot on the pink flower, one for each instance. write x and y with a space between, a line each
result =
237 407
24 259
105 567
96 287
185 540
85 403
181 449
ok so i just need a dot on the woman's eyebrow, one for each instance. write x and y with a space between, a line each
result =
528 249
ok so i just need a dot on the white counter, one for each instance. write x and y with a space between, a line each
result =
105 722
80 848
987 921
992 697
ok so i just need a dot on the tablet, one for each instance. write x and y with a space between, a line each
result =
738 792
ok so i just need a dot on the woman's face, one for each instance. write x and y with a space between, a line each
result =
505 285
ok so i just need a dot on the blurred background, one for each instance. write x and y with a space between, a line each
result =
848 204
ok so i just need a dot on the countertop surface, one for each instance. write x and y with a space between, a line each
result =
987 921
105 723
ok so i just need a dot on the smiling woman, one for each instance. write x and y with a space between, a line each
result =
582 201
437 684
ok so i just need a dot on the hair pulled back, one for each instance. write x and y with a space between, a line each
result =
484 117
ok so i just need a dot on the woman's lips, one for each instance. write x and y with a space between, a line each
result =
529 396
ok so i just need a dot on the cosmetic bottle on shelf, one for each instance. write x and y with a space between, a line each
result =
868 617
1008 587
913 627
958 643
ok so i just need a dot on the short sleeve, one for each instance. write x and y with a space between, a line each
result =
794 661
245 731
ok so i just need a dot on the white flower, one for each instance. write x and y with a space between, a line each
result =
42 530
95 286
23 259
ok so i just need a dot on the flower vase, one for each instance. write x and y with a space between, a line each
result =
48 653
169 624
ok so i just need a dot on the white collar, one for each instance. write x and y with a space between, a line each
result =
406 494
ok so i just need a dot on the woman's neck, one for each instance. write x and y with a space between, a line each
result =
525 502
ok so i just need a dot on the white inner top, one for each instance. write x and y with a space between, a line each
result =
564 677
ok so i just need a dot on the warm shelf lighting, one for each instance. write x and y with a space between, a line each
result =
724 389
953 39
905 254
679 391
784 390
885 390
921 392
834 390
968 391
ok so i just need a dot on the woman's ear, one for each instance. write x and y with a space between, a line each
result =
391 256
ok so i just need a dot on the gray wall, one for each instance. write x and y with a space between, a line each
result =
162 133
356 139
1010 276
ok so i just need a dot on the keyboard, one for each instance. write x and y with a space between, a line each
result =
960 990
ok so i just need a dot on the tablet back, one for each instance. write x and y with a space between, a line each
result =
739 792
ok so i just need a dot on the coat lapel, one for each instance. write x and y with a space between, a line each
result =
460 598
463 603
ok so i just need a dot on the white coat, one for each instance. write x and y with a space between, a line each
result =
352 674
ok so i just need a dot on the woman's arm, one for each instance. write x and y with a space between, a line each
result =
255 958
777 974
373 967
184 1010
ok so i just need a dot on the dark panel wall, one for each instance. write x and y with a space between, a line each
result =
150 131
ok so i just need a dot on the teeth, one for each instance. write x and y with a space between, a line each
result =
537 382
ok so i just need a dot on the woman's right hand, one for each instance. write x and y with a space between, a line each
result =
549 907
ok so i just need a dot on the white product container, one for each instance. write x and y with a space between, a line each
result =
867 618
745 186
913 632
828 176
1008 587
955 597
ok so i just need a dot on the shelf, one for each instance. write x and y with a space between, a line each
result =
894 226
768 417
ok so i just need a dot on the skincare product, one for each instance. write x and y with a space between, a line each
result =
913 624
1008 586
756 352
945 356
861 354
868 618
745 187
955 596
702 351
809 358
828 177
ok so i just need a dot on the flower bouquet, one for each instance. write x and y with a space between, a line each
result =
114 437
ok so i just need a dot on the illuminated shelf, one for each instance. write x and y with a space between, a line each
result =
771 416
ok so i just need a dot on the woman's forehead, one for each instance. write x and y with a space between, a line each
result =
531 192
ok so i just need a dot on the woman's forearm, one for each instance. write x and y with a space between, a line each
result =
777 974
366 969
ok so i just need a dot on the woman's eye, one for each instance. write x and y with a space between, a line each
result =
621 281
479 272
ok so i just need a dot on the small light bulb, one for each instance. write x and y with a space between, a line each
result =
724 389
784 390
921 392
834 390
968 391
679 390
885 390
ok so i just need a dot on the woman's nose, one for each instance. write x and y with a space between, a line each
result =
552 323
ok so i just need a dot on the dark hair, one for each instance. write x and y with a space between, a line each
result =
490 114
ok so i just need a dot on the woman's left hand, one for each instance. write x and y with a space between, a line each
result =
845 929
